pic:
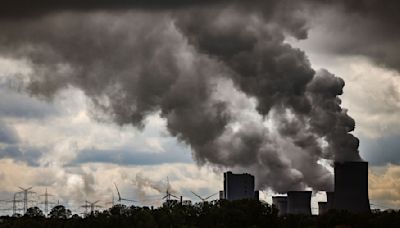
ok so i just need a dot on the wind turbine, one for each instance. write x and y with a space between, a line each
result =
112 200
205 198
168 193
120 198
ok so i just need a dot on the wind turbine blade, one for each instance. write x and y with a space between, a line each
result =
96 202
119 195
197 195
29 188
22 188
174 196
211 196
129 200
165 197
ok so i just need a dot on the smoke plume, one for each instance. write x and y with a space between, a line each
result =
360 27
224 78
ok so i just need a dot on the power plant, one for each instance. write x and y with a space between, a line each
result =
350 194
238 186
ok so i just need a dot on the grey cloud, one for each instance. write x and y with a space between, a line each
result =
142 182
126 156
8 134
29 155
381 150
22 105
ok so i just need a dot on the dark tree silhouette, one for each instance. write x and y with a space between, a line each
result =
60 212
34 212
218 214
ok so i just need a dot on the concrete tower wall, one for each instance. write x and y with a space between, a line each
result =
238 186
322 207
351 187
299 202
280 202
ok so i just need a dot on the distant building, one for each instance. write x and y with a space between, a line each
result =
238 186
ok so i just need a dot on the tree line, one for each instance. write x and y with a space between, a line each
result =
219 214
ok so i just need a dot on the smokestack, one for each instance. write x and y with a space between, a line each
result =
299 202
280 202
351 187
221 195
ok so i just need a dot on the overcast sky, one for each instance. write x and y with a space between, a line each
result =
133 92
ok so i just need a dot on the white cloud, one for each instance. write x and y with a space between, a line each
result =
72 186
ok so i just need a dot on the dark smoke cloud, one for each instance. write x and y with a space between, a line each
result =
223 78
329 120
13 9
281 79
360 27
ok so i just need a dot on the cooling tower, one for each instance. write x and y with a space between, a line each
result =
351 187
322 207
330 198
280 202
299 202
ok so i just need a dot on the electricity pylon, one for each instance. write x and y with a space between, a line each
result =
46 201
26 191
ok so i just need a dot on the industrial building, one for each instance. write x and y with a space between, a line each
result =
350 194
296 202
238 186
